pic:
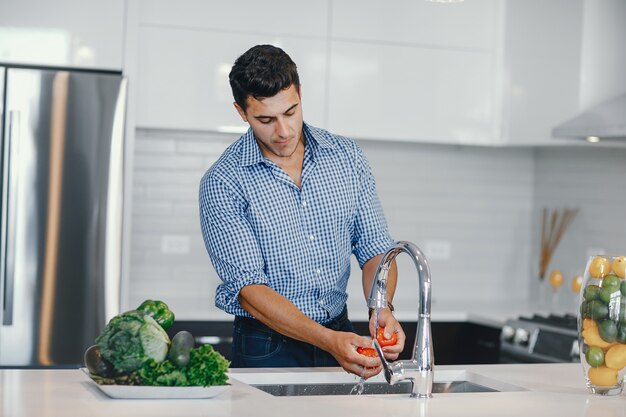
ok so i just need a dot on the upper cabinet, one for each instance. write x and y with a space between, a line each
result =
185 51
400 92
541 68
470 24
414 70
483 72
73 33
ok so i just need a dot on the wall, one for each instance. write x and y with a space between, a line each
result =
478 199
591 179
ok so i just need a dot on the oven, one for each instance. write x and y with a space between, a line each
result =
540 338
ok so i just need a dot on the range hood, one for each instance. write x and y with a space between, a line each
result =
604 121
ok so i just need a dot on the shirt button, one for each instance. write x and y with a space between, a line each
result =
319 271
312 237
303 203
321 302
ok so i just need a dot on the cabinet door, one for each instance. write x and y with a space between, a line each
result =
413 94
76 33
266 17
183 77
541 82
470 24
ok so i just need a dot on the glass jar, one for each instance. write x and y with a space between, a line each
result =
602 324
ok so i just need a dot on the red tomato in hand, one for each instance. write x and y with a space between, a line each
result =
380 336
371 352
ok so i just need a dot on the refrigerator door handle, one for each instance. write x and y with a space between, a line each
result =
7 244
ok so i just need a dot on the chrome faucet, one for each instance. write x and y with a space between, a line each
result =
420 368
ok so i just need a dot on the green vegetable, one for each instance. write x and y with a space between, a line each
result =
130 339
180 349
96 364
163 373
206 367
159 311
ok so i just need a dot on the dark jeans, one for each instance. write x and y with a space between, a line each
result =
257 346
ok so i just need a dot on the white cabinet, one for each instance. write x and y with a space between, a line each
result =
485 72
182 76
541 68
75 33
268 17
470 24
382 91
185 51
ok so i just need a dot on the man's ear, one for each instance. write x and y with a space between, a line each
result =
241 112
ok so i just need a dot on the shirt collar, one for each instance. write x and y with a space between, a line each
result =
251 153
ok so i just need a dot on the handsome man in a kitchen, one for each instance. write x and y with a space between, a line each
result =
282 210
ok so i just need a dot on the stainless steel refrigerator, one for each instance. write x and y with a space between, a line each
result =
61 211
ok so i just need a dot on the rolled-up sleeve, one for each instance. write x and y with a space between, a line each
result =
229 240
371 236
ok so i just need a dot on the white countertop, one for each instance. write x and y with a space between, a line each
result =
551 390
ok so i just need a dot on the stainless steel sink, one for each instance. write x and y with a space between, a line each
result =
331 382
369 388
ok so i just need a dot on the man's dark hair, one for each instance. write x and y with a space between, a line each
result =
262 71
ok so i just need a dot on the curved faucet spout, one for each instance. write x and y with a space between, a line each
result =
420 368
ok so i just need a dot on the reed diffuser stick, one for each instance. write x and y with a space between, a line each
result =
553 227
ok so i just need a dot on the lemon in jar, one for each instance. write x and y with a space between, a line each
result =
616 357
603 376
599 267
619 266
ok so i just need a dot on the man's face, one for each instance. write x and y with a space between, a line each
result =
276 122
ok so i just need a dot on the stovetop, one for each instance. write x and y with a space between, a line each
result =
541 338
566 321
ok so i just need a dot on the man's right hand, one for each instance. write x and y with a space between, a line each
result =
343 345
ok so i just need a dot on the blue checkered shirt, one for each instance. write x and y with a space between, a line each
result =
260 228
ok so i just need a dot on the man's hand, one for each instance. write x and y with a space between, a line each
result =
391 325
342 345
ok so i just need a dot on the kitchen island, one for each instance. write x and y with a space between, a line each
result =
547 390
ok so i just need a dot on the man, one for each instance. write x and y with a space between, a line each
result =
281 212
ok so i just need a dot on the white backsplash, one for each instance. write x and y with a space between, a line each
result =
477 205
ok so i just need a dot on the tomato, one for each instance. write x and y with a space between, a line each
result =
371 352
380 336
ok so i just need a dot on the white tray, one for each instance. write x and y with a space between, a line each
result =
150 392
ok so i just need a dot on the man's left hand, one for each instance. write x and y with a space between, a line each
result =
387 321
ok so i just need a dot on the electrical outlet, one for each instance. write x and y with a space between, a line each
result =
438 249
175 244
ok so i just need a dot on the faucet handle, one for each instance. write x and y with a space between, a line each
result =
386 366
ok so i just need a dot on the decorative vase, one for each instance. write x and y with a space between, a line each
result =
602 324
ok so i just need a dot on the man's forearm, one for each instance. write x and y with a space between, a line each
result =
369 269
281 315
